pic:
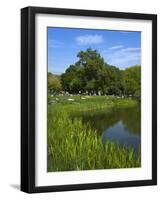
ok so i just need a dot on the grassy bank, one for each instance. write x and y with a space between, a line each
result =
73 145
78 103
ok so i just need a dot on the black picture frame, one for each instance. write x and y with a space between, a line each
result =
28 98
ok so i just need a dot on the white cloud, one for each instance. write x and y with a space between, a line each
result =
116 47
130 50
89 39
123 57
54 44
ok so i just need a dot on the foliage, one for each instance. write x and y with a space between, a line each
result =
90 74
54 84
132 80
71 79
73 145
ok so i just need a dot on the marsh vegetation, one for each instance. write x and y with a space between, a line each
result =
94 116
74 143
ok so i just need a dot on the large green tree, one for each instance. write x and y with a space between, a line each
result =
91 74
92 65
113 80
86 75
132 81
54 84
71 79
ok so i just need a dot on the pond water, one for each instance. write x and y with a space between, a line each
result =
119 125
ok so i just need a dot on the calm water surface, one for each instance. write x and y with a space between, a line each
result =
120 125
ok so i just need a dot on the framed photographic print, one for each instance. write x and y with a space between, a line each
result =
88 99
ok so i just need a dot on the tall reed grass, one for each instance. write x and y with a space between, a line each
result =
73 145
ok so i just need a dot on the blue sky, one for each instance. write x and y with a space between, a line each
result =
119 48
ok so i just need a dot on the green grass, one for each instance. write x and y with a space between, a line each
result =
89 103
73 145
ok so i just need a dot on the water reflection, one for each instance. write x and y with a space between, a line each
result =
122 136
121 125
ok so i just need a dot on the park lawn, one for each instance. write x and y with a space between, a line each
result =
73 145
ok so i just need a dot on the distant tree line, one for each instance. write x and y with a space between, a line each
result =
92 75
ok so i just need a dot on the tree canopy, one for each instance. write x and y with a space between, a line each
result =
92 75
54 84
132 80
